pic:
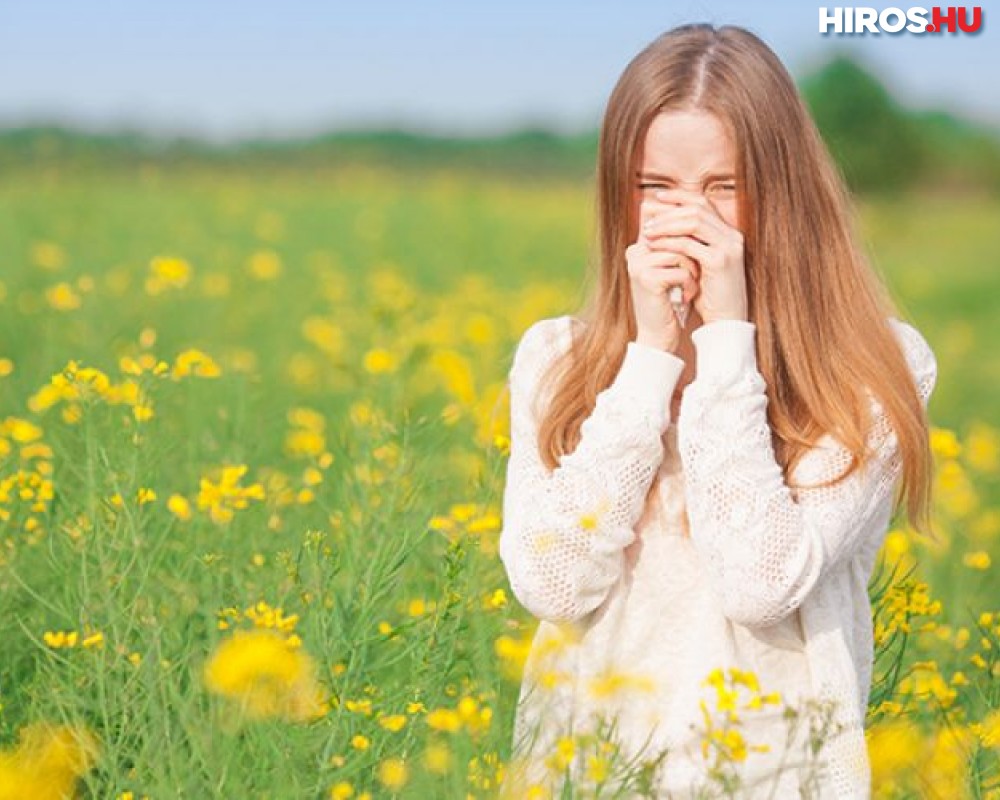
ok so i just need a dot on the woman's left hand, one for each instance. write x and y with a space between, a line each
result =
690 225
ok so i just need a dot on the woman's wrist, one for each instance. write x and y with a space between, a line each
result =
661 343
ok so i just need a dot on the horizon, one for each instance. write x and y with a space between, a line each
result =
303 70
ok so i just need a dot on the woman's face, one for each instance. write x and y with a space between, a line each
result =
689 150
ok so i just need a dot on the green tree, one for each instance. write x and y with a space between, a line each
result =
875 143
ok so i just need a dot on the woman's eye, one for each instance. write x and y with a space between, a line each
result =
715 187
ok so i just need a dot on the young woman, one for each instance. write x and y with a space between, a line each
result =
704 484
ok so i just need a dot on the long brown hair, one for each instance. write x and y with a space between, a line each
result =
810 287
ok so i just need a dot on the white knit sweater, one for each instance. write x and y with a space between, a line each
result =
769 580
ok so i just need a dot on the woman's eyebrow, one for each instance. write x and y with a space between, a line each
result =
657 177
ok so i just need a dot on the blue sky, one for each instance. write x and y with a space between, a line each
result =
224 70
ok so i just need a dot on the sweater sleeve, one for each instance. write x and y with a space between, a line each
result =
765 548
564 530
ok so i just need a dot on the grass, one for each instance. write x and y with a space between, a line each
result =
362 323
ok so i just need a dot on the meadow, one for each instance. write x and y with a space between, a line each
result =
252 443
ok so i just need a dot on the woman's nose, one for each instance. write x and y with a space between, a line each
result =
696 187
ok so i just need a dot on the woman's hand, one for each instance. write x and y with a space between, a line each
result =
688 224
652 274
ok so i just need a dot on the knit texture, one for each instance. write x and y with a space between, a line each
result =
769 579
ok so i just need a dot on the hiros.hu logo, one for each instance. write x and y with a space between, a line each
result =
862 19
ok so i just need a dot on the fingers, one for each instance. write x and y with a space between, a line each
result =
688 246
659 271
643 250
692 229
691 221
664 279
678 198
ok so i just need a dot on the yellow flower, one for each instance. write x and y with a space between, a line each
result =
324 334
167 273
341 791
20 430
221 497
48 255
437 758
746 678
179 506
379 360
439 523
46 762
982 447
484 523
985 525
947 762
597 768
195 362
463 512
772 697
60 639
926 682
988 730
443 719
265 265
588 522
944 443
957 492
393 773
715 678
266 675
363 706
393 722
562 756
897 544
456 373
496 599
610 683
62 297
417 607
977 560
481 329
735 744
304 442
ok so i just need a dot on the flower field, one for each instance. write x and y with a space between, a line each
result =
253 432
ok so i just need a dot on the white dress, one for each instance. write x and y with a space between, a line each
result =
635 613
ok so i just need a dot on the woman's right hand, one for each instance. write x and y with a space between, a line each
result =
652 273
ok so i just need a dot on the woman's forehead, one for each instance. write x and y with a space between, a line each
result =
685 138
